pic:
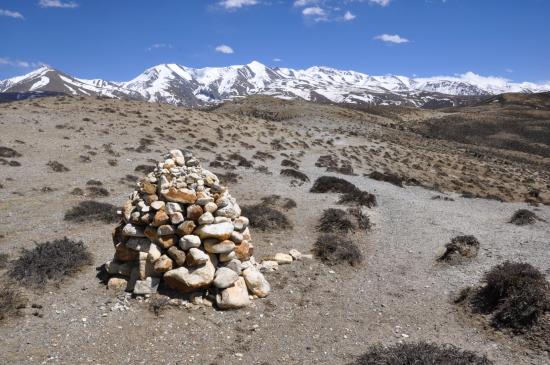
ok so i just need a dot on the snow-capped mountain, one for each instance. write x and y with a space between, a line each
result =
180 85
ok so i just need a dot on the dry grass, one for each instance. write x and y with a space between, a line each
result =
332 184
266 218
90 210
333 249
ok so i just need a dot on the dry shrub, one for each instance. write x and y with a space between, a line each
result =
8 152
295 174
3 260
266 218
11 301
358 197
97 191
516 294
50 261
278 201
90 210
387 177
57 166
332 184
335 220
460 247
157 303
524 217
144 169
334 249
289 163
420 353
363 220
228 178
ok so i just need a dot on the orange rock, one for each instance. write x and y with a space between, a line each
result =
185 196
244 251
149 188
123 253
186 228
160 218
194 212
167 241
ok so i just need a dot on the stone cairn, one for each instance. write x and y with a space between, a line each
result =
183 228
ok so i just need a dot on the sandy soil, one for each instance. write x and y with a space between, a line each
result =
316 314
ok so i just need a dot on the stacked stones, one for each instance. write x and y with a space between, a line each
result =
183 228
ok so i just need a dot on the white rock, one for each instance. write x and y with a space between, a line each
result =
224 278
188 280
221 231
234 297
172 208
136 231
206 218
158 204
296 255
197 256
147 286
256 282
189 241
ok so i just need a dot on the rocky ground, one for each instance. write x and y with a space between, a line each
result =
315 313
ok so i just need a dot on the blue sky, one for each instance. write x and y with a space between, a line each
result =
118 39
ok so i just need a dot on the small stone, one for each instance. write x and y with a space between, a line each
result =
138 244
154 253
235 265
172 208
123 253
296 255
167 241
180 161
132 231
196 257
175 153
176 218
210 207
241 223
224 278
184 196
256 282
230 211
244 251
151 233
151 198
221 231
188 280
165 230
269 265
147 286
206 218
177 255
236 237
127 210
212 245
282 258
189 241
160 218
246 234
221 219
148 187
225 257
158 205
194 212
163 264
186 227
118 268
234 297
117 284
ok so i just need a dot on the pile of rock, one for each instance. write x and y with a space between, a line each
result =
182 228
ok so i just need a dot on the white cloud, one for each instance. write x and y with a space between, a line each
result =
302 3
348 16
224 48
315 13
5 61
236 4
11 14
391 38
159 45
57 4
277 60
381 2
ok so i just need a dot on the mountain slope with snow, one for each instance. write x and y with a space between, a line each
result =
180 85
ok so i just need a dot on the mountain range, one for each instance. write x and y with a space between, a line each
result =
195 87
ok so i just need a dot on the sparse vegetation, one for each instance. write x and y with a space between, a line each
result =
460 247
157 303
8 152
387 177
11 301
420 353
266 218
49 262
332 184
333 249
57 166
278 201
295 174
358 197
522 217
97 191
335 220
3 260
144 169
516 294
90 210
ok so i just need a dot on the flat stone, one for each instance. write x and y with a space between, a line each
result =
210 207
234 297
127 210
196 257
131 230
296 255
119 268
230 211
167 241
221 231
206 218
236 237
172 208
184 196
186 227
154 253
241 223
148 187
176 218
234 265
138 244
147 286
212 245
224 278
189 241
269 265
256 282
190 279
160 218
123 253
282 258
225 257
158 205
151 233
177 255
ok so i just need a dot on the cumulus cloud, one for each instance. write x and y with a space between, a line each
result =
224 48
11 14
348 16
277 60
57 4
391 38
236 4
159 45
315 13
6 61
380 2
302 3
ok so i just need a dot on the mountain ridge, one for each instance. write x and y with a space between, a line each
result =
195 87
